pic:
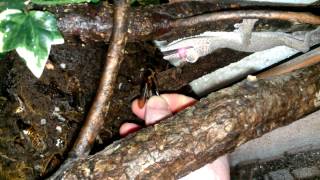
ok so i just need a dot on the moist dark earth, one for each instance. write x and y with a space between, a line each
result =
288 162
40 118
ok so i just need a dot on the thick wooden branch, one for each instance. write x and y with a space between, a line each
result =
91 22
165 21
214 126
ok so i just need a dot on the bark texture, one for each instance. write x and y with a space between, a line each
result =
214 126
95 22
170 21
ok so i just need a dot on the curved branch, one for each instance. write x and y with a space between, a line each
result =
301 17
101 103
100 106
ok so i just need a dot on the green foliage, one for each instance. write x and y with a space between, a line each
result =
58 2
31 35
11 4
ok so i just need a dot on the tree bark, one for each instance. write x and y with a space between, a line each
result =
214 126
95 22
168 21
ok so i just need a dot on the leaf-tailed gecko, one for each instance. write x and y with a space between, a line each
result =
190 49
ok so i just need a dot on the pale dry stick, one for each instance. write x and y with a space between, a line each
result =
301 17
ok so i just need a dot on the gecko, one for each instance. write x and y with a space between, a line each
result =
190 49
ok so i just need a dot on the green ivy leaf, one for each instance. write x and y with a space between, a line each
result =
31 35
11 4
58 2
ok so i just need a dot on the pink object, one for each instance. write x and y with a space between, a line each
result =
182 53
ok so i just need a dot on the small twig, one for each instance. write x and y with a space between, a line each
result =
301 17
100 106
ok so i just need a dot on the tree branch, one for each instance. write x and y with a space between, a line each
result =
158 22
214 126
100 106
101 103
249 14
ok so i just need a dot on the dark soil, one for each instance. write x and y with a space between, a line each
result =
40 118
289 161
